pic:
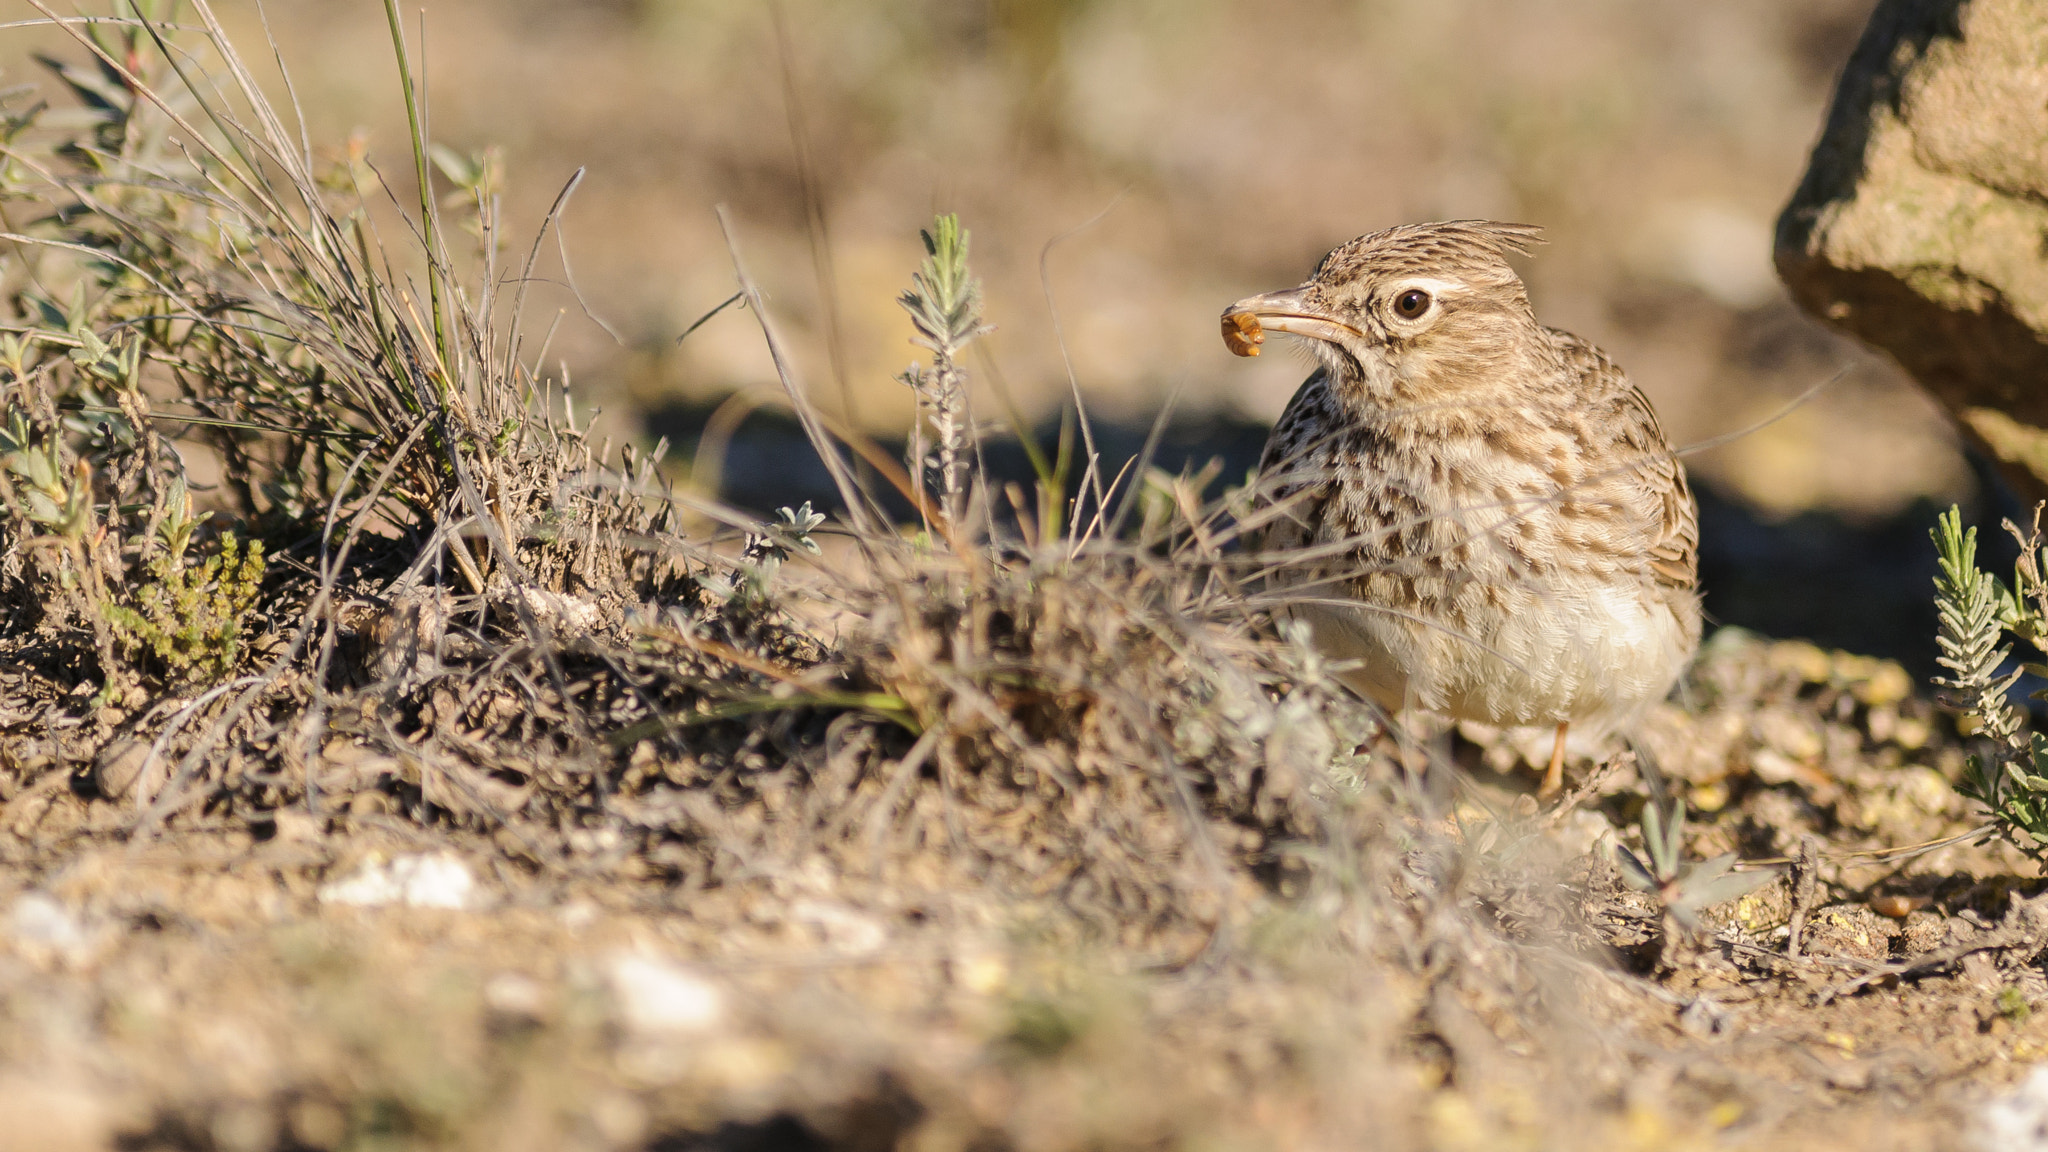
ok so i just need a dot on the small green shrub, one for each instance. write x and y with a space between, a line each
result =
188 616
1684 889
1977 610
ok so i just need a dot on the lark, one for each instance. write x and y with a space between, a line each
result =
1479 516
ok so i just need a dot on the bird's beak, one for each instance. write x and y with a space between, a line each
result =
1246 322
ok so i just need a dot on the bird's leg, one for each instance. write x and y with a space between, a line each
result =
1553 777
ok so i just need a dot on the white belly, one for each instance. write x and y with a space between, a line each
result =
1595 655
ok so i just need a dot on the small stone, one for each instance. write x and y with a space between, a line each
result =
984 974
578 914
1710 797
298 826
39 924
317 1124
516 998
659 996
118 767
2018 1120
1912 734
1801 659
1788 732
371 804
1888 684
437 880
1773 767
619 1118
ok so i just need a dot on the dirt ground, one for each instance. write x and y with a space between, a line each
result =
348 977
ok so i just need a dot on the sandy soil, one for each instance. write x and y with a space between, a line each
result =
355 978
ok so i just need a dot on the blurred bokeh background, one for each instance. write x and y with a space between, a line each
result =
1130 167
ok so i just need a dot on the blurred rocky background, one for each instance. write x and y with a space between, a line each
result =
1128 168
1919 226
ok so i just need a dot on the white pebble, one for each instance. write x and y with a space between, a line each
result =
439 880
2017 1121
656 995
38 922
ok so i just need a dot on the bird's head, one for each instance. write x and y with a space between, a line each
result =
1412 312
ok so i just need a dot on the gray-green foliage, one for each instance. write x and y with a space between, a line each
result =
944 302
43 491
1684 889
763 556
1976 611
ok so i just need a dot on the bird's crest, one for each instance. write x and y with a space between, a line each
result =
1481 246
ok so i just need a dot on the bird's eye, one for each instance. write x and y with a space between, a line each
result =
1412 303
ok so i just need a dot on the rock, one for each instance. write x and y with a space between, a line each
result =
41 926
2018 1120
656 995
432 880
119 766
1919 224
517 999
566 617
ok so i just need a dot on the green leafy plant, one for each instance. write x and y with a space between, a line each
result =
1976 611
1684 889
189 616
2011 1003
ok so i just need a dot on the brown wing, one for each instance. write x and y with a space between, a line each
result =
1675 554
1648 477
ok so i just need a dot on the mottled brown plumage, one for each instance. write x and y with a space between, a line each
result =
1479 512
